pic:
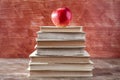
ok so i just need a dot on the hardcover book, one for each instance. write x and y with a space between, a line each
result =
61 36
84 58
61 29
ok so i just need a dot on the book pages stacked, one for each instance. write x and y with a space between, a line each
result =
60 52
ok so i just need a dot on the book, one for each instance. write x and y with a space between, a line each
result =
61 66
44 42
61 36
57 47
31 68
60 59
61 29
60 51
35 74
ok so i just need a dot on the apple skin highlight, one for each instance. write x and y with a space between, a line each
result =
61 17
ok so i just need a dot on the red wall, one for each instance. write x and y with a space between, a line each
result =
19 21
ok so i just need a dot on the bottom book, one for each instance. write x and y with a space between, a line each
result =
36 74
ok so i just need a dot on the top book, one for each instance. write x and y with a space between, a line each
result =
61 29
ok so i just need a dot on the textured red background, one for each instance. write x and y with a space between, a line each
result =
19 21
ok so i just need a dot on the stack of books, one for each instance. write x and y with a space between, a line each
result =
60 52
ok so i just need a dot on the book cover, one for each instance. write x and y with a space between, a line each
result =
61 29
42 42
35 74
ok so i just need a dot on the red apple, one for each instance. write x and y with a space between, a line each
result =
61 17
